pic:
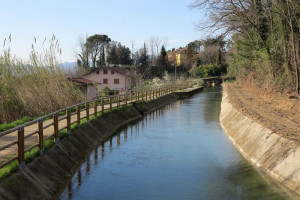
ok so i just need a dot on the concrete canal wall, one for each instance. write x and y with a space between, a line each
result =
275 155
48 175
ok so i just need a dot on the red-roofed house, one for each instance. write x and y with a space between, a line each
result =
115 78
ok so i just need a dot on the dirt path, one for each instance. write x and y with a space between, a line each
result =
276 111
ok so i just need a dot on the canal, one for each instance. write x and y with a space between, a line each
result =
177 152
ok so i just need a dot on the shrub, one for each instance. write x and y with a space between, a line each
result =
211 70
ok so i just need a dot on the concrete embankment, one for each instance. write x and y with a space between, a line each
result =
188 92
48 175
275 155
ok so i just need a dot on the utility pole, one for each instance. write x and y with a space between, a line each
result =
175 65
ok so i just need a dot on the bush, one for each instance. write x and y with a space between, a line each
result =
211 70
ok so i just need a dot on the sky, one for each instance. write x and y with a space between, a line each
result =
125 21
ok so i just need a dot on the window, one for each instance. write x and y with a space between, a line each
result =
104 71
116 81
97 72
105 81
112 72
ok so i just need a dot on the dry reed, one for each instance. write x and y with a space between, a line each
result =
34 87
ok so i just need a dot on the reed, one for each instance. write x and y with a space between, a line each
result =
35 86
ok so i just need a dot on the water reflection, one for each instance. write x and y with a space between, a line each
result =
133 128
177 152
102 150
212 104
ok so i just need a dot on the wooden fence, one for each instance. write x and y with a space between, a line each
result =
50 125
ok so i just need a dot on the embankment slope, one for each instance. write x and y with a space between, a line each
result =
276 155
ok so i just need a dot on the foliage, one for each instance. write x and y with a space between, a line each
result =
118 54
266 37
92 49
96 44
143 59
124 55
211 70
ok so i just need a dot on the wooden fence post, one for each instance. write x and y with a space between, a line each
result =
87 109
21 148
41 136
78 115
153 94
131 97
138 95
110 103
69 121
125 98
95 108
55 123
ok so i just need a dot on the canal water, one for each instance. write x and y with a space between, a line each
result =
177 152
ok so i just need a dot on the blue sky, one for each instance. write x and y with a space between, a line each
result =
122 20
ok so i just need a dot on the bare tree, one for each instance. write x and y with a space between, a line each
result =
151 44
157 42
83 53
273 24
165 41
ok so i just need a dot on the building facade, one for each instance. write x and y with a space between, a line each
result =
114 78
184 57
88 87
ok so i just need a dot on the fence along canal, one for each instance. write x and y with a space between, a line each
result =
16 142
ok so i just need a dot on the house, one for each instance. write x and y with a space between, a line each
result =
115 78
186 57
88 87
172 56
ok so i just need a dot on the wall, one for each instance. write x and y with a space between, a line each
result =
91 92
275 155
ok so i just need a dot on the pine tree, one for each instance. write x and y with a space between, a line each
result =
112 57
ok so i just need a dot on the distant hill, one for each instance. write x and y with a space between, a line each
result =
68 65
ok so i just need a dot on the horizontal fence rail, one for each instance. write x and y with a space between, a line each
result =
30 135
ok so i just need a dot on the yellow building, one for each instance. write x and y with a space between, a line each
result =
184 57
